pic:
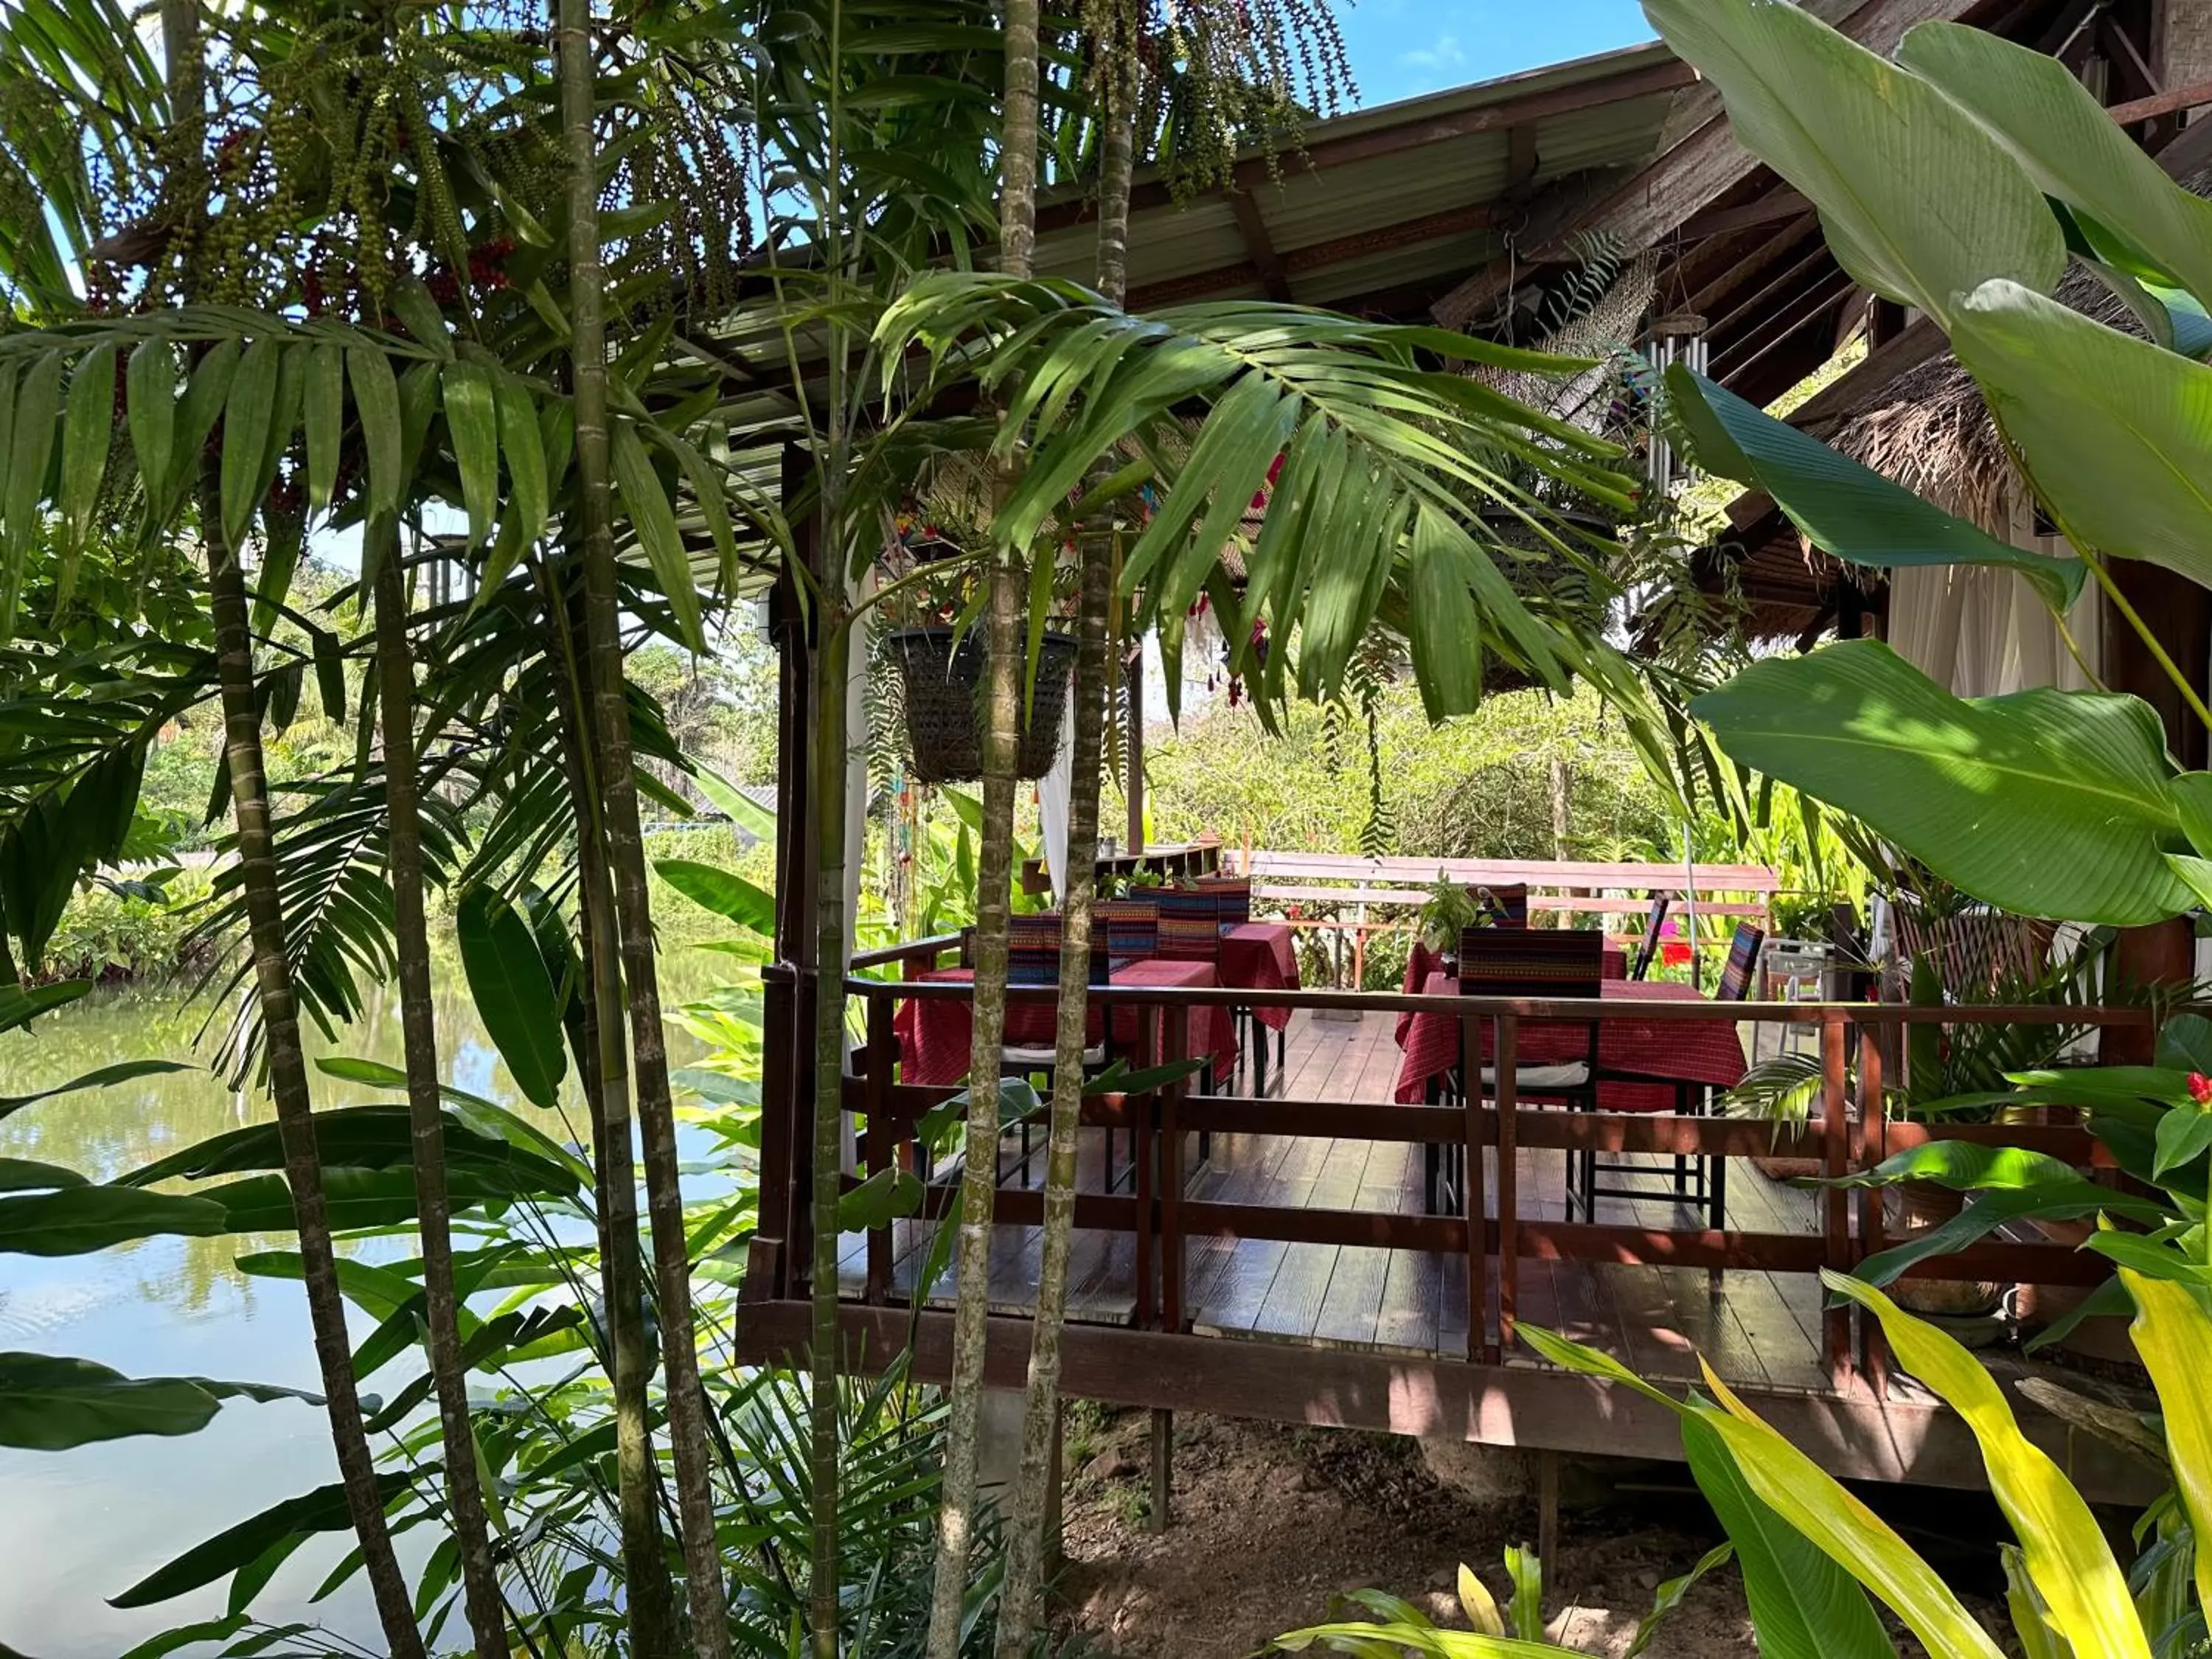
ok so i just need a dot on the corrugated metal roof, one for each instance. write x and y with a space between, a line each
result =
1387 197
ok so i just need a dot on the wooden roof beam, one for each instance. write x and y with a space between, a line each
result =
1407 232
1690 175
1259 247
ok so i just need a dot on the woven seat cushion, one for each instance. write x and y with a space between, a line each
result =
1742 961
1033 949
1126 930
1034 1058
1233 898
1570 1075
1189 932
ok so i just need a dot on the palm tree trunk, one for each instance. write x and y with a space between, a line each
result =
955 1519
288 1070
625 851
651 1592
418 1026
264 908
1022 1606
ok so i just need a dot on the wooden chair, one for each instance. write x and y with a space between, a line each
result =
1701 1182
1647 948
1033 959
1552 964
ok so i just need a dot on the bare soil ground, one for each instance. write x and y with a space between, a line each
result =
1272 1525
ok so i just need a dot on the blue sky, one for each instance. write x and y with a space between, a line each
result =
1401 48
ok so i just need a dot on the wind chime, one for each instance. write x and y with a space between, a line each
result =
1677 337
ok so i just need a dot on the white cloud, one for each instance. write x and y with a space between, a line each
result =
1446 54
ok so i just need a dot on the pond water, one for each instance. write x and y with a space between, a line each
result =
78 1527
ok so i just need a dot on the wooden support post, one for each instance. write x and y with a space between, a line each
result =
876 1151
1506 1053
1835 1161
1133 791
1471 1185
1142 1152
1171 1261
1163 1470
780 1052
1873 1350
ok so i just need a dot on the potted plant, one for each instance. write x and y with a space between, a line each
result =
1447 911
932 655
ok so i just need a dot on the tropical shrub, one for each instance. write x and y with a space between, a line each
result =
2043 802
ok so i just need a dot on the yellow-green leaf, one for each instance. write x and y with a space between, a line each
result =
472 421
2065 1551
1849 1533
37 405
646 504
152 394
198 410
325 410
248 413
1479 1604
2173 1335
376 400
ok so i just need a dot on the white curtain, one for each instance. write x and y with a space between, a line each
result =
1052 791
1981 631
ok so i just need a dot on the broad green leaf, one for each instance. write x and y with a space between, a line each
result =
1966 1166
20 1006
151 395
1669 1596
2183 1135
1918 200
37 407
1393 1639
2173 1336
122 1072
2031 1614
376 400
51 1403
2057 1203
323 1510
2068 1558
472 421
412 302
1850 1533
29 1175
525 450
744 811
87 427
248 414
1844 507
205 394
80 1218
2111 429
1446 636
483 1117
728 896
325 421
2045 803
1802 1605
646 504
506 977
884 1197
2068 144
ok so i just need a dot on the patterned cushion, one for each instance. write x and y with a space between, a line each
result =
1033 949
1531 961
1232 898
1189 931
1501 906
1742 959
1126 930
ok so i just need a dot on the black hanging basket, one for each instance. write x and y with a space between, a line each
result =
943 700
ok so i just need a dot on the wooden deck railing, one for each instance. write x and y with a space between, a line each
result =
1848 1133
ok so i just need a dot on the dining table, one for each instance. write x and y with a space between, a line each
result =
1643 1065
935 1034
1262 956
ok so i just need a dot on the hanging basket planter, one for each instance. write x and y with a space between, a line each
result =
944 699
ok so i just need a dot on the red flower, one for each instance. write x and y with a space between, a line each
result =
2200 1088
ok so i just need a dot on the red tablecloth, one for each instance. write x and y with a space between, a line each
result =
936 1035
1261 955
1702 1051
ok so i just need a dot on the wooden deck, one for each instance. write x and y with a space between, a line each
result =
1759 1330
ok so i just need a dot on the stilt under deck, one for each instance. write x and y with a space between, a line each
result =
1294 1272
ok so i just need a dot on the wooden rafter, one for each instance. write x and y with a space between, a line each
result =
1690 175
1383 239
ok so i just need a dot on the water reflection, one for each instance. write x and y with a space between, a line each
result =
78 1527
